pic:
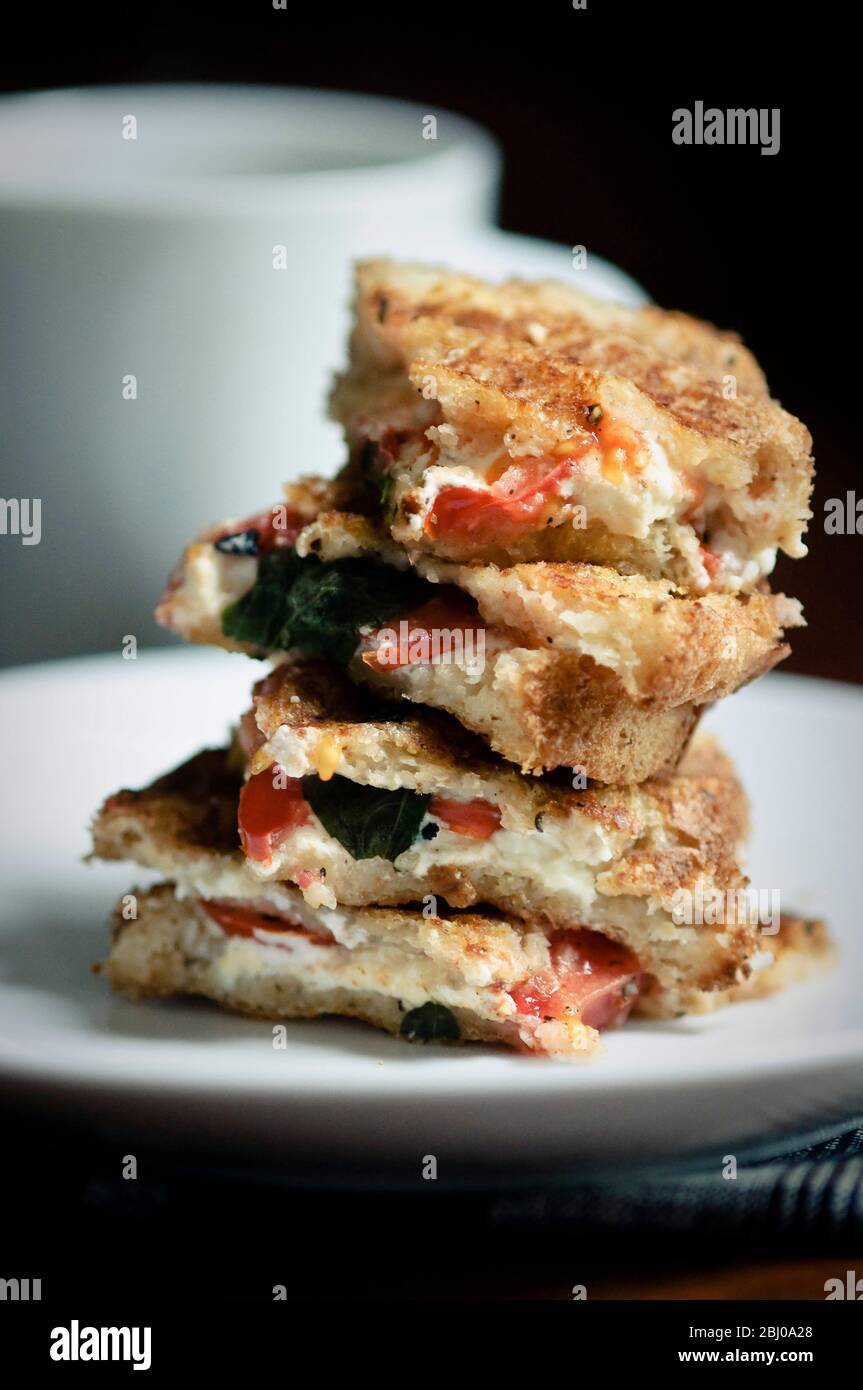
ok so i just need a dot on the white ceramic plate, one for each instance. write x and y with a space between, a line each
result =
77 730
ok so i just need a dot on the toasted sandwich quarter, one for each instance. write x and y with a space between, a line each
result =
358 808
519 422
551 664
629 855
260 948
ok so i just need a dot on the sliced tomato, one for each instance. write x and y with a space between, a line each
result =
477 514
590 978
268 812
235 919
517 501
519 496
415 632
277 527
479 819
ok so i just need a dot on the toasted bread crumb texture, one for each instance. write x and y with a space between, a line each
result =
450 376
172 949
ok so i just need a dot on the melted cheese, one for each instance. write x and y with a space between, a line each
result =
326 756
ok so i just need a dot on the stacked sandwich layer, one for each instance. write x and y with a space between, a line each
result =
466 803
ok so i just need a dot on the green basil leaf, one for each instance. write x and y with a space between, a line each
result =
430 1023
369 822
330 603
260 615
320 608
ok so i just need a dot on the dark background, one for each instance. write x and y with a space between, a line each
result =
581 103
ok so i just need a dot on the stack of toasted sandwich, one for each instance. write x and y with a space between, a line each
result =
468 801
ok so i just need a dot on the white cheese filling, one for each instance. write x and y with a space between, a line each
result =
629 506
411 977
209 879
555 867
564 859
211 581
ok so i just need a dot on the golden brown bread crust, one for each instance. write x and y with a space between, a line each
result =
151 958
679 833
801 948
192 808
666 648
406 312
701 807
590 668
393 296
533 362
155 956
697 649
307 693
564 711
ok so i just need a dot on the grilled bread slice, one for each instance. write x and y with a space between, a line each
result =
553 665
398 968
260 948
383 810
519 422
184 826
467 979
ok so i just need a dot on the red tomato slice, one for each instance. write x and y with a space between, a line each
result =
269 812
591 978
277 527
236 919
519 495
479 819
452 613
516 502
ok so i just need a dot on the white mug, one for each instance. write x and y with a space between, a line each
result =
174 275
174 286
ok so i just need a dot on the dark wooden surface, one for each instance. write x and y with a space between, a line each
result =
238 1231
